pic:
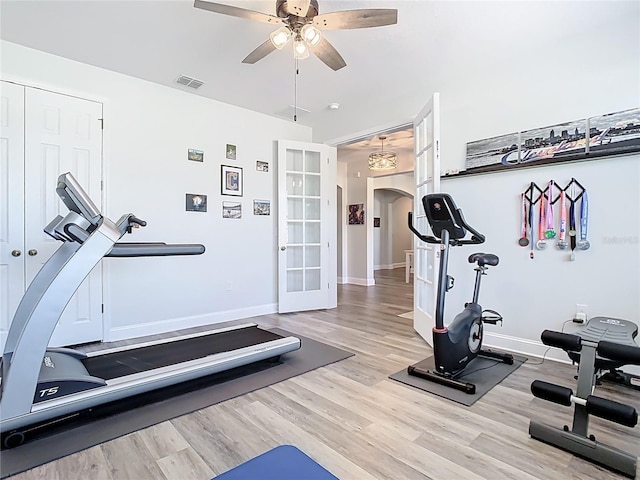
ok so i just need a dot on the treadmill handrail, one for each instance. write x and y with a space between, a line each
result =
154 249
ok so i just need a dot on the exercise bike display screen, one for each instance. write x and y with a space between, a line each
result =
438 210
442 214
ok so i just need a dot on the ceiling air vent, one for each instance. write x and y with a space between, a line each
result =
189 81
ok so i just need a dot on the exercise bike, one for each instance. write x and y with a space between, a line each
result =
457 344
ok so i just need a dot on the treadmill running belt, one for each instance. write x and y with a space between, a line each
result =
120 364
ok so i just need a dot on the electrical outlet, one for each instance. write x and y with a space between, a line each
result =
582 312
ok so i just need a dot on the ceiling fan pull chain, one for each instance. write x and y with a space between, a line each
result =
295 91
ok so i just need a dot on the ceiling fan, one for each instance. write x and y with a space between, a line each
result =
299 20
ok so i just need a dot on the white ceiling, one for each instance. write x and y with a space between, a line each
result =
434 42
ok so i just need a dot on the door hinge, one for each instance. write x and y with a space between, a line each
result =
103 308
101 185
101 123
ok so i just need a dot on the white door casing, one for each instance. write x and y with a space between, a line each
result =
307 270
61 134
426 129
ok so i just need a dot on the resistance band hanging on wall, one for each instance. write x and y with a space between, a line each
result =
546 199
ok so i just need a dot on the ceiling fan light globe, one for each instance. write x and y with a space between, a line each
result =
300 50
280 37
310 34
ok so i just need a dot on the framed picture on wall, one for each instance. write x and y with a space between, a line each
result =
231 180
356 214
262 207
196 202
195 155
231 210
230 152
376 222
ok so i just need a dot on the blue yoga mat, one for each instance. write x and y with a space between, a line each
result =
285 462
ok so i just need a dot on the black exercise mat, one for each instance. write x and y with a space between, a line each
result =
485 373
230 384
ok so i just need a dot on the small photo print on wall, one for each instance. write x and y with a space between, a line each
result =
262 207
356 214
231 152
196 202
196 155
231 210
262 166
231 180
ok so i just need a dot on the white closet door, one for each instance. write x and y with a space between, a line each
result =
62 134
12 276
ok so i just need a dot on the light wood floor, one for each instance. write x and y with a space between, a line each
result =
356 422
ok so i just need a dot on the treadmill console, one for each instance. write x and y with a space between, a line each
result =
443 214
76 199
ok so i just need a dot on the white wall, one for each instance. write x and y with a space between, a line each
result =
148 129
393 237
574 78
402 238
542 293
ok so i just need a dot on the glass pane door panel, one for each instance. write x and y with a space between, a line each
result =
312 160
312 279
294 182
312 209
312 256
312 185
312 232
295 209
294 257
294 160
295 280
420 134
295 231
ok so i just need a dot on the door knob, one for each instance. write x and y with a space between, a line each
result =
16 253
33 252
283 248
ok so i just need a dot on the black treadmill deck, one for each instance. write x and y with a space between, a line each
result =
120 364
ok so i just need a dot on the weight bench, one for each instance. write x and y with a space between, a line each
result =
577 439
622 332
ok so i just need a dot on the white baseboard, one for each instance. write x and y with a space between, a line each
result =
523 346
173 324
360 281
390 266
531 348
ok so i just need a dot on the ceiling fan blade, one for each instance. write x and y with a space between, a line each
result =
259 53
237 12
328 55
372 17
298 7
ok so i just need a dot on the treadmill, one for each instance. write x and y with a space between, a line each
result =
41 385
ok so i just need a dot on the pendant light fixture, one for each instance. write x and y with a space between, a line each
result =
383 160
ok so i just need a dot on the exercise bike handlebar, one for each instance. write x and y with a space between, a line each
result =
476 237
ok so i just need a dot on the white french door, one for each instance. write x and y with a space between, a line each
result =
426 261
307 269
60 134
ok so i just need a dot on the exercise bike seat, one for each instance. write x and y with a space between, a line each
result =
483 259
610 329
